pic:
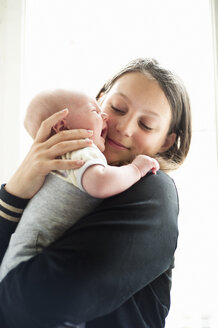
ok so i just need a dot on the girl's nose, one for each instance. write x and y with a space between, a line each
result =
125 127
104 116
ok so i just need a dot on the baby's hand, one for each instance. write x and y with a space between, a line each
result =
145 164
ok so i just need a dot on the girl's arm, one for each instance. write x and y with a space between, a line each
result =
105 181
43 156
11 209
28 179
99 263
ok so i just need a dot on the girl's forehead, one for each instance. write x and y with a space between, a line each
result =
141 93
136 80
137 87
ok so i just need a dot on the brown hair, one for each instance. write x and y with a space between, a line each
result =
178 98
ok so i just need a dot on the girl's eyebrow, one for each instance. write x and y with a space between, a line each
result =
151 113
146 111
123 95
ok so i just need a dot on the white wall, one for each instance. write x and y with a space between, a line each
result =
214 14
10 87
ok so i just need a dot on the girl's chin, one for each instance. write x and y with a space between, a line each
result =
114 158
110 157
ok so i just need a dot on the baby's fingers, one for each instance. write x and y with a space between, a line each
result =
155 167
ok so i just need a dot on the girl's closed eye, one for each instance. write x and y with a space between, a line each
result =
145 126
118 110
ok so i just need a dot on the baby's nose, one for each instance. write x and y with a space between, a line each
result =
104 116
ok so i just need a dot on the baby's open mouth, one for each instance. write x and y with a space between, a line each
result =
104 133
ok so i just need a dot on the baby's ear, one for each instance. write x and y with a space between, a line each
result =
60 126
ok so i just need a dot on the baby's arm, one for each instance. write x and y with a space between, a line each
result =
102 182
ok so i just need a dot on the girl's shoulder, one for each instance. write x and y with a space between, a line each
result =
153 187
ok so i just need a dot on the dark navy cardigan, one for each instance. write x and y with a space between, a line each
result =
112 269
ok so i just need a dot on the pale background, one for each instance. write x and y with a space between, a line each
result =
66 43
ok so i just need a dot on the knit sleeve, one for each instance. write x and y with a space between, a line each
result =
11 209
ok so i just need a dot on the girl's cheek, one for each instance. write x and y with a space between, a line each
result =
112 123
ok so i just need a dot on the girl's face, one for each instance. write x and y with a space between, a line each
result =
139 118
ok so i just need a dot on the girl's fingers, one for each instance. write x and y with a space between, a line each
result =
42 157
60 164
67 146
68 135
45 128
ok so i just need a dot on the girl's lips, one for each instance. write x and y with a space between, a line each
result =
116 144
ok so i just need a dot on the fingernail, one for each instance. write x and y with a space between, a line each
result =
90 131
88 140
80 162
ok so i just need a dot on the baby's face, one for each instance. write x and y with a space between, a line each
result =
88 115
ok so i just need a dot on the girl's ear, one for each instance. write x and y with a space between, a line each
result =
169 141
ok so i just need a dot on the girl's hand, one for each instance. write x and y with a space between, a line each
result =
42 157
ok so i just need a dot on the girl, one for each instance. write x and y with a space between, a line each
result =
113 267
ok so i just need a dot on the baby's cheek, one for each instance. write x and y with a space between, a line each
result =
111 122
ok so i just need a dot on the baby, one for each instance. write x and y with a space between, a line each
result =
66 196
